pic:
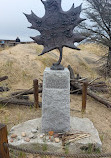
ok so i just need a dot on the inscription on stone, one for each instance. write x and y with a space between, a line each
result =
56 83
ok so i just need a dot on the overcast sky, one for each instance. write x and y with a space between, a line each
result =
13 23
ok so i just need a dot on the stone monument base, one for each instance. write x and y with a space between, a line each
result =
33 127
56 101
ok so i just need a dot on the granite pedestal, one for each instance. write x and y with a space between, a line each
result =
56 101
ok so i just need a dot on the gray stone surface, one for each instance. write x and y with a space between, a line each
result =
56 100
85 125
36 143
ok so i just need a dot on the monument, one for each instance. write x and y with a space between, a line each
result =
56 28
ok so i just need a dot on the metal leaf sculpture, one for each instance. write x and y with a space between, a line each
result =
56 28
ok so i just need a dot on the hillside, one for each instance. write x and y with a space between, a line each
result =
22 64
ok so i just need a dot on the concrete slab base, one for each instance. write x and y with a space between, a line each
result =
34 137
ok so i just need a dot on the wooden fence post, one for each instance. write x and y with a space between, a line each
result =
84 96
4 151
36 97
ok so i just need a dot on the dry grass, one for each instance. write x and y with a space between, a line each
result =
4 48
22 64
1 49
97 49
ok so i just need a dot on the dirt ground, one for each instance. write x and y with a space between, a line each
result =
22 65
101 117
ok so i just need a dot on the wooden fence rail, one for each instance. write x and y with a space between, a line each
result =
84 96
3 78
4 151
36 93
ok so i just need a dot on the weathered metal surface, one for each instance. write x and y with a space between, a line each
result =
56 27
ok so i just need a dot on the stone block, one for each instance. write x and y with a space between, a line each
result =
37 143
56 100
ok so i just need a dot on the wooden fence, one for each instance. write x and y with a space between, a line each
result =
4 150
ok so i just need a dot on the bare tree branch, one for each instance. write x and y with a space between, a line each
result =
97 28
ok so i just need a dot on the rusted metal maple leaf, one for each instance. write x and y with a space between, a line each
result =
56 27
